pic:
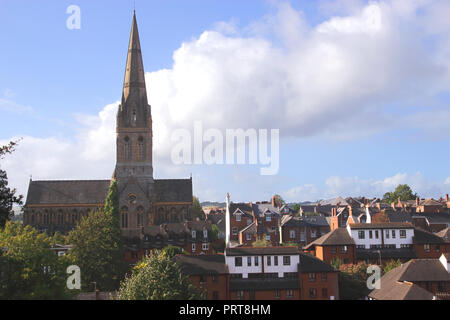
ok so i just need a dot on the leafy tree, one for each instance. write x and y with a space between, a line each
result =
171 251
390 265
29 269
197 211
278 200
403 191
158 277
296 207
7 195
352 280
262 242
97 246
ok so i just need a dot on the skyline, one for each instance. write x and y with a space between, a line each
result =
261 65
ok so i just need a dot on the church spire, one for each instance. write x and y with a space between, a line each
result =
134 82
134 110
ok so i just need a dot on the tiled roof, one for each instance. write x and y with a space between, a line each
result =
202 264
251 228
244 207
178 190
67 192
338 236
423 270
386 225
254 251
309 263
444 234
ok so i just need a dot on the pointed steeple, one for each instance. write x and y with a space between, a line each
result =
134 108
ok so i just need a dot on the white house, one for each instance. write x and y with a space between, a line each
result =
381 235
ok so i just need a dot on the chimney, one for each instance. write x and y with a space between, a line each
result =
446 197
273 201
350 211
417 201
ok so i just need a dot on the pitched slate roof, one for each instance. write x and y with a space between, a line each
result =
423 270
176 190
309 263
251 228
261 208
387 225
386 253
444 234
339 201
202 264
67 192
424 237
255 251
338 236
392 290
244 207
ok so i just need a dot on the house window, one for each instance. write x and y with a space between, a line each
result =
269 260
202 279
289 293
324 292
240 295
313 233
214 278
324 276
194 234
256 261
238 217
286 261
344 249
238 261
205 246
249 236
437 248
292 234
249 222
370 234
361 234
402 233
235 230
205 234
312 292
193 247
249 261
277 294
268 237
360 246
124 220
441 287
426 247
268 217
376 234
393 234
275 260
333 249
312 277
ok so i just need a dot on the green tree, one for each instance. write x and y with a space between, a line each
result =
98 248
29 269
7 195
158 277
197 211
352 280
171 251
278 200
296 207
262 242
403 191
390 265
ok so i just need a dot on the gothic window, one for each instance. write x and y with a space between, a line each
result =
140 217
127 148
124 217
141 151
134 116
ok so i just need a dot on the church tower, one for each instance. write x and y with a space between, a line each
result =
134 169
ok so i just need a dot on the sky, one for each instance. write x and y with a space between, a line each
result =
359 91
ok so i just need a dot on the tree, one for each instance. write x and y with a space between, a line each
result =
197 211
97 246
296 207
171 251
29 269
390 265
403 191
278 200
352 280
158 277
262 242
7 195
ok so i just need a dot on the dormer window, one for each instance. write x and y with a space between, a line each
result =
268 217
205 233
194 234
238 217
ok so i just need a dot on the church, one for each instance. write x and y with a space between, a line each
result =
145 203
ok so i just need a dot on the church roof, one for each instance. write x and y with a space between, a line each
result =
173 190
67 192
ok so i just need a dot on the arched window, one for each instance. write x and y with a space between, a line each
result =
134 116
140 217
127 148
124 217
141 150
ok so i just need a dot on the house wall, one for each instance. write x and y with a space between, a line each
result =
330 284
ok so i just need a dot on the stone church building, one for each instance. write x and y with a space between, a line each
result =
145 202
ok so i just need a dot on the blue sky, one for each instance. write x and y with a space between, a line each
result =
359 90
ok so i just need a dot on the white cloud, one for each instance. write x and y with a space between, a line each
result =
354 186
